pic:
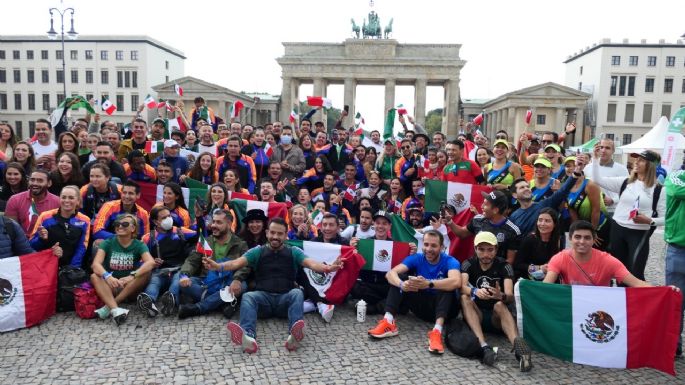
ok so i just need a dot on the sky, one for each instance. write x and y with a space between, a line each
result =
507 45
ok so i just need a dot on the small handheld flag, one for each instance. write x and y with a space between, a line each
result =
529 115
478 120
108 106
178 89
636 208
150 102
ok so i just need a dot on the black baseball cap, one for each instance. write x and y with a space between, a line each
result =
647 155
497 199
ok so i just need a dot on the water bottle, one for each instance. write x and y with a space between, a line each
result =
361 311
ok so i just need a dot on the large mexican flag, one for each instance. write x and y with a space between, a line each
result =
462 196
382 255
28 290
335 286
611 327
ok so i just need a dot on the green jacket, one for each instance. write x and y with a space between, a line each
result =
192 267
674 187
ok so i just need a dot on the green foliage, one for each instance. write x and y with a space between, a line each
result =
434 121
332 115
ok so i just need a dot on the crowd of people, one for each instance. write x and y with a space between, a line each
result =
79 194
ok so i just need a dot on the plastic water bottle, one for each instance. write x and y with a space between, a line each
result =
361 311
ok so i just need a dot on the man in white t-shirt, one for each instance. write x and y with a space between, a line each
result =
364 229
44 147
608 168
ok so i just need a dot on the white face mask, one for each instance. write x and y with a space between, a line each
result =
286 139
167 223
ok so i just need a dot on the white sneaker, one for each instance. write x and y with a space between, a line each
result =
326 311
119 315
308 306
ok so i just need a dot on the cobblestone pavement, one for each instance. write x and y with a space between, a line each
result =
68 350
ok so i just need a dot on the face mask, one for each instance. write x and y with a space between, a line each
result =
167 223
286 139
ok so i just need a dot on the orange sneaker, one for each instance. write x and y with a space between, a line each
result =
435 342
384 329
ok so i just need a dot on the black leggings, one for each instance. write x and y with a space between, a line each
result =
624 244
427 306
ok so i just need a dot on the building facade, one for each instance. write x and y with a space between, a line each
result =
632 85
122 68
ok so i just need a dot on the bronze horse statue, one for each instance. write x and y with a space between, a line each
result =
355 29
388 29
373 29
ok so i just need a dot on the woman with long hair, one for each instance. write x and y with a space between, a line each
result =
501 172
23 154
217 199
232 182
254 228
64 226
204 169
631 230
370 158
191 141
257 150
101 189
7 140
431 169
538 247
68 172
300 226
586 201
15 181
395 197
386 161
483 157
313 177
172 198
67 142
117 272
307 146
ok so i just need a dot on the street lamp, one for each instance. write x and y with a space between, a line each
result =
72 35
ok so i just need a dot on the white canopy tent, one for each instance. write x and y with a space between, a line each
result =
654 140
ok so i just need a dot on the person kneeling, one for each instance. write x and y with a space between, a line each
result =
275 266
484 303
429 294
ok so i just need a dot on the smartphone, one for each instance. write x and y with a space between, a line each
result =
443 209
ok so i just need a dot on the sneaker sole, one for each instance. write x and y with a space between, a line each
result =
327 316
297 330
120 319
237 335
436 351
522 351
384 335
168 304
145 303
489 361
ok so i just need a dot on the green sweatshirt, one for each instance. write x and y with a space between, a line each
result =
675 208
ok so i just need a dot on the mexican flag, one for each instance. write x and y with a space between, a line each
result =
196 184
401 109
317 218
108 106
271 210
335 286
359 124
203 246
611 327
478 120
178 90
33 210
293 116
154 146
389 124
319 101
235 109
382 255
151 193
461 196
150 102
28 289
401 231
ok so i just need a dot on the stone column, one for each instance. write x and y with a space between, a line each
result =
450 121
559 122
580 128
389 97
512 121
286 99
350 96
320 90
420 101
505 120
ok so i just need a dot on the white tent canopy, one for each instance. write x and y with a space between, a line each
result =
655 140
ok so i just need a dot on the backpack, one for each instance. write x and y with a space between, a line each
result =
461 341
86 301
655 195
68 279
9 228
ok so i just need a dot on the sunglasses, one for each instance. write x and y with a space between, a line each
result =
406 147
546 141
122 224
501 137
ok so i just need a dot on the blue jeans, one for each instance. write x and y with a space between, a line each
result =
198 292
675 275
160 282
264 305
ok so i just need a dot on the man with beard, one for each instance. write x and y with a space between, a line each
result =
242 164
363 230
179 165
104 155
406 167
103 223
137 170
459 168
290 157
275 267
204 286
207 140
137 141
164 172
267 191
44 147
25 207
423 283
283 188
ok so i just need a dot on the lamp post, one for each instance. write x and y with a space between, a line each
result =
52 35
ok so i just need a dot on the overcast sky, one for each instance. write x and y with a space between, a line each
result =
508 45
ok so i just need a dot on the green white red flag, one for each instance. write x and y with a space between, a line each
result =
154 146
293 116
108 106
203 246
178 90
382 255
235 109
319 101
150 102
151 194
270 209
401 109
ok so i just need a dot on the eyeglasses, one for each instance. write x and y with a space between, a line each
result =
122 224
501 137
406 147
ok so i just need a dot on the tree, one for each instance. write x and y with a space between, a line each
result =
434 121
332 115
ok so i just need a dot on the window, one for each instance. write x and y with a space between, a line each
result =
32 127
16 55
17 76
30 76
44 54
104 77
59 54
631 85
580 86
622 86
74 76
668 86
666 110
166 65
609 136
89 96
134 102
120 79
615 60
612 89
627 139
611 112
17 102
32 102
73 54
683 88
3 101
3 76
89 76
670 61
541 119
134 55
60 98
119 55
632 61
166 79
104 95
46 102
120 102
581 68
630 113
127 79
134 79
104 55
2 54
651 61
649 85
29 54
18 127
89 54
45 76
60 76
647 113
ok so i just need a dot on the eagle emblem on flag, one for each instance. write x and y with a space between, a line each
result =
383 256
459 201
7 292
600 327
320 279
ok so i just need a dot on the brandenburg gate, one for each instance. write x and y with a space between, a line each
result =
374 62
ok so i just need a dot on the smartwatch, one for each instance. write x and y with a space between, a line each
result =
431 284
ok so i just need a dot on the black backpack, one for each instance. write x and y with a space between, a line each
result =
68 278
461 341
655 196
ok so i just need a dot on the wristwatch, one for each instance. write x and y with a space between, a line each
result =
431 284
133 273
